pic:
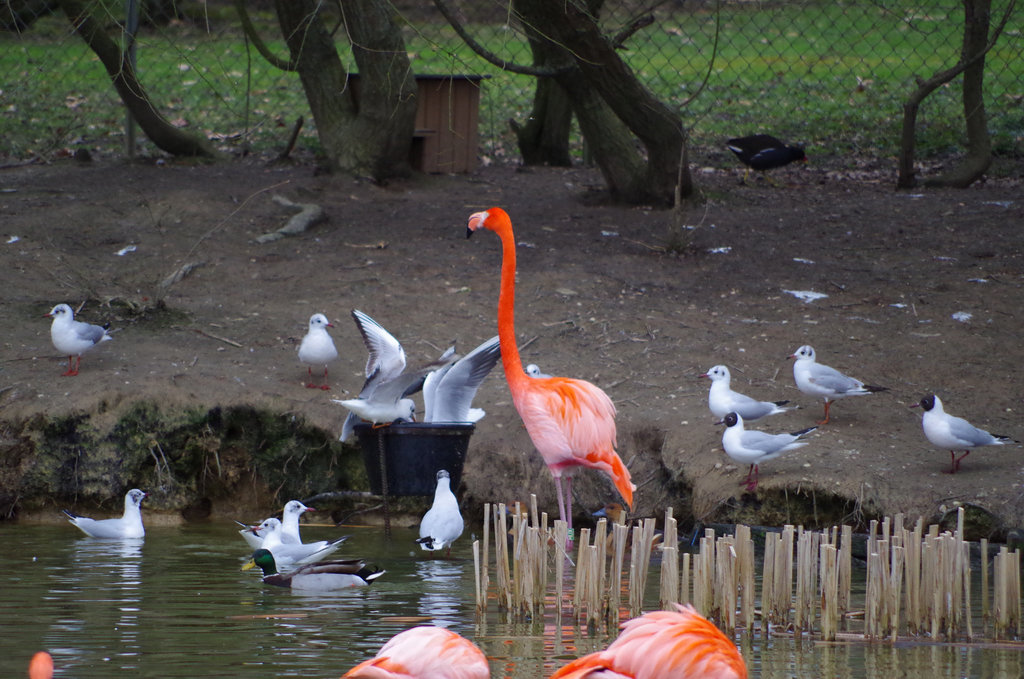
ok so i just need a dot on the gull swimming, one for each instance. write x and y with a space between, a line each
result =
127 527
289 554
442 524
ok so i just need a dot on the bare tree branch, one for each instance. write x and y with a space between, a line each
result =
257 41
486 54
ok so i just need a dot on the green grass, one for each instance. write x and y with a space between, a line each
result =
831 76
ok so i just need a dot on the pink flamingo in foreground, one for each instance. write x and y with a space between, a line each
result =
571 422
424 652
41 666
679 644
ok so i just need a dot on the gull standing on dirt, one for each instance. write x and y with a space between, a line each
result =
442 524
448 391
818 379
753 447
127 527
722 400
73 338
953 433
317 348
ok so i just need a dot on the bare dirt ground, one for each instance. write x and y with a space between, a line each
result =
601 296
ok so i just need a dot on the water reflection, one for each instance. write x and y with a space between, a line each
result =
177 605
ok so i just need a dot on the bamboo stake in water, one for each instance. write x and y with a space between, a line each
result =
845 566
829 592
771 540
669 564
745 575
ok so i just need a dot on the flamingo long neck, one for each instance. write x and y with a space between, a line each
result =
506 307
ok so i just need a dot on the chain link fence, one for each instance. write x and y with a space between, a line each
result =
829 75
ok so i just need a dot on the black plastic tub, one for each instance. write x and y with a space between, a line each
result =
413 454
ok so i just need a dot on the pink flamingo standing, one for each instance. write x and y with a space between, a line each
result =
571 422
423 652
679 644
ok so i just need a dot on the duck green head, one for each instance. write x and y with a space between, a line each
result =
264 559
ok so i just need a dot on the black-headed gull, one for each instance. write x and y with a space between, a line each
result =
385 361
289 554
953 433
126 527
533 370
442 524
323 576
293 509
818 379
317 348
73 338
754 447
382 400
448 391
722 400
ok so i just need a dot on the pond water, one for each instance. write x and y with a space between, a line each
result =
178 605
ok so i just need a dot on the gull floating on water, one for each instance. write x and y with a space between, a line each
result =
73 338
128 526
722 400
290 554
442 524
954 433
448 391
289 526
754 447
818 379
317 348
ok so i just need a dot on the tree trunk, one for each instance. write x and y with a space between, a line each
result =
977 17
977 43
164 135
370 135
544 138
659 129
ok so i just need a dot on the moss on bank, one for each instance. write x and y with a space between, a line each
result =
188 459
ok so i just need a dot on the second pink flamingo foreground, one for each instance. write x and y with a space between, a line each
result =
571 422
679 644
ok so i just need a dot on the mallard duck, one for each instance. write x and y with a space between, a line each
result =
323 576
128 526
424 652
442 524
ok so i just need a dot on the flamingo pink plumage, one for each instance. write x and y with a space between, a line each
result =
571 422
41 666
424 653
679 644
